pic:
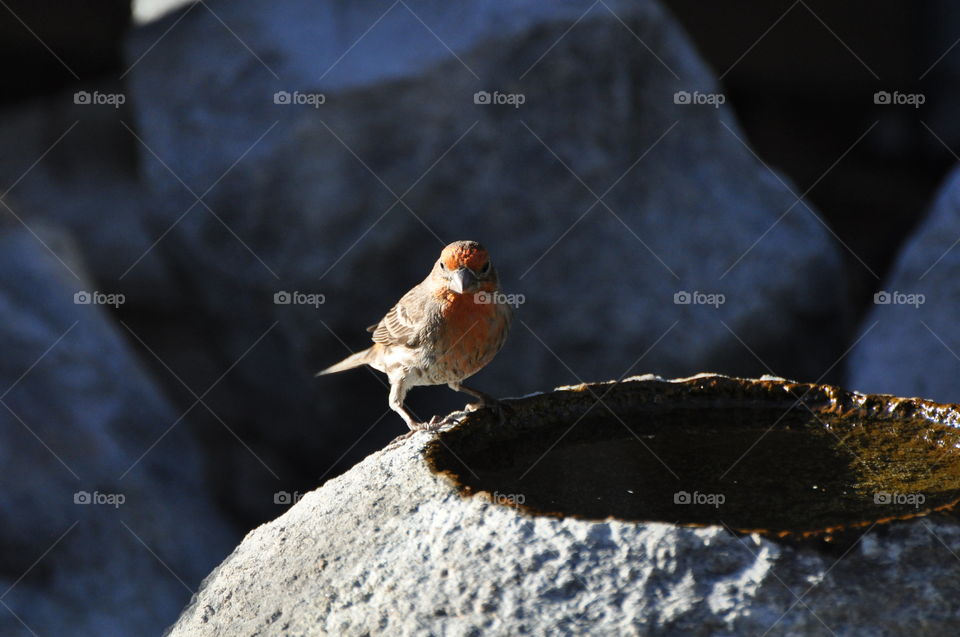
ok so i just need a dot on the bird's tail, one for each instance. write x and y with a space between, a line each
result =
354 360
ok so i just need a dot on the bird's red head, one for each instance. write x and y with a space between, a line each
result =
465 254
465 267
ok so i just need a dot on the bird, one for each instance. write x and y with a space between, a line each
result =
444 330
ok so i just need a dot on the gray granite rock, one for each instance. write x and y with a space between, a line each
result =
391 547
108 523
301 197
912 341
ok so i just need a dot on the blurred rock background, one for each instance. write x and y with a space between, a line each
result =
184 168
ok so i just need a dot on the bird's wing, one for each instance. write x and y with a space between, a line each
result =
403 323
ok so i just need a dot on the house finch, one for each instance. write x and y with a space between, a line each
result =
444 330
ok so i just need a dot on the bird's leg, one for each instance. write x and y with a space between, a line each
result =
485 399
398 391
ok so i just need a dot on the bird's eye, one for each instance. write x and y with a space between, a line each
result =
485 268
441 264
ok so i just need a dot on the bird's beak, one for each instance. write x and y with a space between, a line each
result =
461 280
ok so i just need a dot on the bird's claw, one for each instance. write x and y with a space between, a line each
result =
438 422
396 441
493 405
435 423
431 425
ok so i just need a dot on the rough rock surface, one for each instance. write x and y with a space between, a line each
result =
912 340
94 541
391 548
303 197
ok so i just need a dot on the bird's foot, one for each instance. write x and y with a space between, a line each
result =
432 425
415 427
490 403
396 441
438 422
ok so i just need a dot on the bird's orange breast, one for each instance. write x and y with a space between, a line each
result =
472 331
